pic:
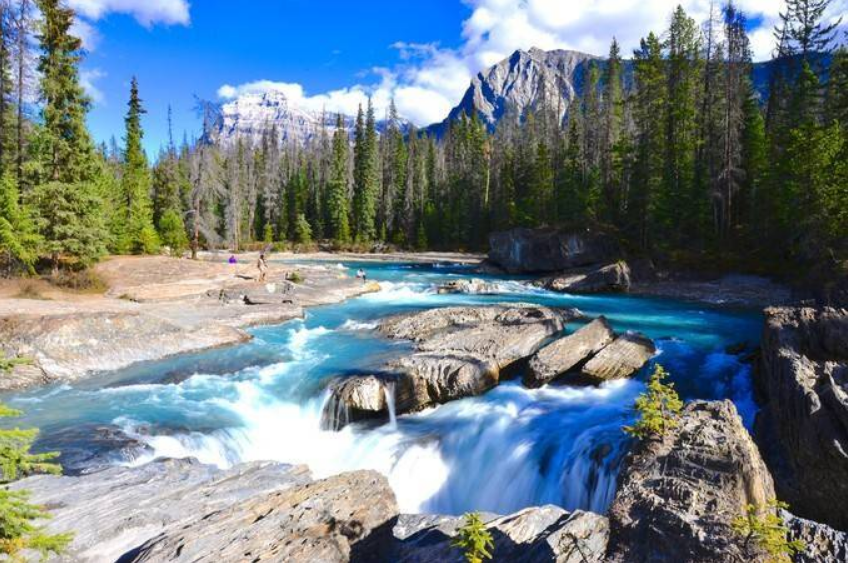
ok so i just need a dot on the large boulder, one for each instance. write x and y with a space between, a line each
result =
677 496
803 426
181 510
605 279
462 351
537 534
622 358
564 354
341 518
548 250
356 398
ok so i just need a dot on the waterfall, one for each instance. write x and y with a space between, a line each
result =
389 391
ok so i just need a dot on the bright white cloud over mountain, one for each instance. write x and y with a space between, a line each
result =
430 80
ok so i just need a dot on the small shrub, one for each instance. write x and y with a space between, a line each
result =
86 281
474 539
763 528
296 277
658 408
172 232
8 364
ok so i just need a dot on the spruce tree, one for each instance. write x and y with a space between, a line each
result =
19 241
139 234
67 145
366 181
5 83
337 198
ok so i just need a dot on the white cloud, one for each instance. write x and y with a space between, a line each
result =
146 12
87 33
430 80
88 77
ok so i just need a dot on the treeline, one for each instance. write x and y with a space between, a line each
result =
677 155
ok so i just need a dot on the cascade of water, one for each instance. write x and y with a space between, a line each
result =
389 391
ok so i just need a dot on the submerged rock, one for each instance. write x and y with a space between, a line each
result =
537 534
803 427
548 250
361 397
564 354
678 496
622 358
610 278
462 351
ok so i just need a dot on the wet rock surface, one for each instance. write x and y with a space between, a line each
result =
356 398
803 426
823 544
462 351
620 359
472 287
564 354
548 250
678 496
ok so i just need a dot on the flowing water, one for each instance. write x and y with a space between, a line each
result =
508 449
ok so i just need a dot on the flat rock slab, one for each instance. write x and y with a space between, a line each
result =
622 358
338 519
116 510
566 353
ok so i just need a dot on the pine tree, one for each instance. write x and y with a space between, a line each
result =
658 408
612 141
649 107
5 83
138 234
337 199
805 29
19 241
67 145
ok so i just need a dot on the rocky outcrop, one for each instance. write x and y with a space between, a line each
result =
472 286
356 398
620 359
462 351
822 543
564 354
180 510
677 496
548 250
328 520
605 279
538 534
803 426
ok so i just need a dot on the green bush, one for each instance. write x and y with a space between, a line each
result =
19 530
762 528
658 408
172 232
7 364
474 539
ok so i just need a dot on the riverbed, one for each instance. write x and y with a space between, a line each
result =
508 449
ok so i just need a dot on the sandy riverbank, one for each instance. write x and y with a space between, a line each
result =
155 307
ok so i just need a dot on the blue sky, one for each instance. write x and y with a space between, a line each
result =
332 54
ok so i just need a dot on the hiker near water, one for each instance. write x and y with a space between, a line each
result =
263 267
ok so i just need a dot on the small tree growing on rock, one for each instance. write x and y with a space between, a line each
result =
762 528
18 529
474 539
658 408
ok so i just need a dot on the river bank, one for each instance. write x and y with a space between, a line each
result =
155 307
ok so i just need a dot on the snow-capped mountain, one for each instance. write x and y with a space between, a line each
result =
251 115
